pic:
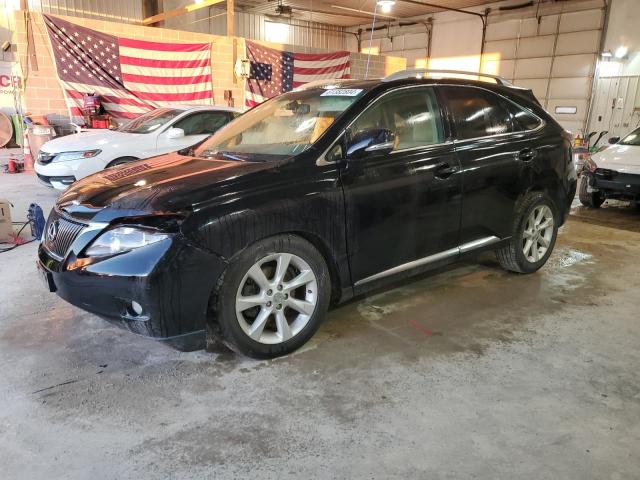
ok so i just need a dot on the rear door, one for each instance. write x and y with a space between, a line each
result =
495 160
405 205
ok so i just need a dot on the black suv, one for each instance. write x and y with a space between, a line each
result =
308 199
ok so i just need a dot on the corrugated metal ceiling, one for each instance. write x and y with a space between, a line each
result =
348 13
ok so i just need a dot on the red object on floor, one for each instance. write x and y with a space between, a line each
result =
11 166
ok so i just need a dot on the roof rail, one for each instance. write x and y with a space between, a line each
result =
424 72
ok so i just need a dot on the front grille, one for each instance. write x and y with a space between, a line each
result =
58 239
44 157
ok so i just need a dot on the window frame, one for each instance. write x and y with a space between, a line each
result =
503 99
444 123
200 112
524 109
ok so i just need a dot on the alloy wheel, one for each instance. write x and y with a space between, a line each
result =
276 298
538 233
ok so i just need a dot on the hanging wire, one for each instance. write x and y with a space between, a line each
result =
373 26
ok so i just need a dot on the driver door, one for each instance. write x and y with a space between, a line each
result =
196 126
403 206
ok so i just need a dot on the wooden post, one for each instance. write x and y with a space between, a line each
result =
231 17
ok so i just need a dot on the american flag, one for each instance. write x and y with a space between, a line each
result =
131 76
275 71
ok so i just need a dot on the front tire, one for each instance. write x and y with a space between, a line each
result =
589 199
272 297
120 161
533 237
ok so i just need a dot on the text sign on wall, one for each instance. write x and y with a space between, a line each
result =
10 84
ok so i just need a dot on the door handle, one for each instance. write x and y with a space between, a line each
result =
444 171
526 155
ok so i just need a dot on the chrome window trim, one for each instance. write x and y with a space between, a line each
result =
464 248
322 161
541 125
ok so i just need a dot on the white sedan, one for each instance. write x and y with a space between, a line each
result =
64 160
612 173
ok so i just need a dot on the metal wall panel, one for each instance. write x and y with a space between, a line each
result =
616 105
540 46
575 65
555 57
580 21
533 67
506 49
578 42
128 11
570 88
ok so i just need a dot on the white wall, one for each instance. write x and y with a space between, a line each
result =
623 30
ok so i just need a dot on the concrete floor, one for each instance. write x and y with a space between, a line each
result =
471 373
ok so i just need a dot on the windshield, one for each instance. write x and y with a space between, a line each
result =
632 139
150 121
286 125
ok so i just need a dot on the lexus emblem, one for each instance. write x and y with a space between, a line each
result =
52 231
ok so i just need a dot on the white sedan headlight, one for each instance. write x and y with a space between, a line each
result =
123 239
68 156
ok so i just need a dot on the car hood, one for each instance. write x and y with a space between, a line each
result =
88 141
621 158
168 183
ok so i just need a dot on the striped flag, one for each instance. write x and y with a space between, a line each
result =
274 71
131 76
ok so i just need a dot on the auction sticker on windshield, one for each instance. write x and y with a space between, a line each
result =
341 92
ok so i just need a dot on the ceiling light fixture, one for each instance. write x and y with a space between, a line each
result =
621 52
385 5
607 53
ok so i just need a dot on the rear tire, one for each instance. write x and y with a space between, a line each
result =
533 237
259 310
589 199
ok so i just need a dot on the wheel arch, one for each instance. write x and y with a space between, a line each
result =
330 260
130 158
553 188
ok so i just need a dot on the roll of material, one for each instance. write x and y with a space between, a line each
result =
6 129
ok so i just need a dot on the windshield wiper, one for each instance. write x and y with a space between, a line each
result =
232 157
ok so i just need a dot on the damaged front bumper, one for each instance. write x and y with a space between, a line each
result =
613 184
170 282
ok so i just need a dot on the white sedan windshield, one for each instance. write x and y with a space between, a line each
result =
285 125
150 121
632 139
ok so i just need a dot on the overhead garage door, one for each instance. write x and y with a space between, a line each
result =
553 54
616 105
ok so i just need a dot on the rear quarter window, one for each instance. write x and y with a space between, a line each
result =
523 120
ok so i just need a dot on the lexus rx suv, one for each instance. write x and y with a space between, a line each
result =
307 200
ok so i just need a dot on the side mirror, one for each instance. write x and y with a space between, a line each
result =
372 140
613 140
174 133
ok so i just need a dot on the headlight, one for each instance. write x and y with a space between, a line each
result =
68 156
590 165
123 239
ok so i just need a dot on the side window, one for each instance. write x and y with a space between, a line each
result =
411 114
202 123
477 113
523 120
